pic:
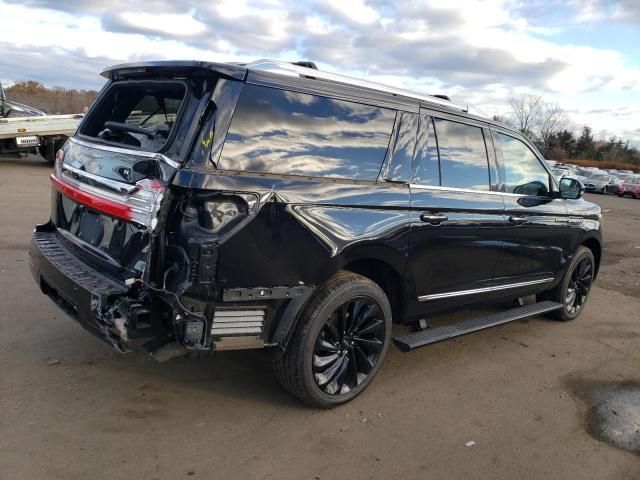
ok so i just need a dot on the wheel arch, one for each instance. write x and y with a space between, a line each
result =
595 246
379 271
386 277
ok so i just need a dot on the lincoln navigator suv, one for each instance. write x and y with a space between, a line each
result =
204 207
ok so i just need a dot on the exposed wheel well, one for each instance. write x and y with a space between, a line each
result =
386 277
595 247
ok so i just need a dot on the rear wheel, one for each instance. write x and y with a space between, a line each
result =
574 289
339 343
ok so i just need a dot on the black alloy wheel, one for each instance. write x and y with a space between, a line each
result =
579 286
339 343
574 288
349 345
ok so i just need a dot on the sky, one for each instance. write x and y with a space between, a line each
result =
582 54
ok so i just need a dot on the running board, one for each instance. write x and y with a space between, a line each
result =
413 340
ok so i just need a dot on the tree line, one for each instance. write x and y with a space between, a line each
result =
51 100
548 127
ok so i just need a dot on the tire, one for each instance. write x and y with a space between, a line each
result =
561 293
50 147
307 369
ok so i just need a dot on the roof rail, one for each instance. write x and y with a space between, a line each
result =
295 70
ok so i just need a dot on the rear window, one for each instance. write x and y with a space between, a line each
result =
137 115
284 132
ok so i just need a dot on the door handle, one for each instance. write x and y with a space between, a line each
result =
518 220
433 219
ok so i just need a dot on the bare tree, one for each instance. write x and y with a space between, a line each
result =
526 110
537 119
551 120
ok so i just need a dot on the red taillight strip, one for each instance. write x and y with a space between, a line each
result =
96 202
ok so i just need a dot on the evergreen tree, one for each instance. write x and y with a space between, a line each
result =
585 146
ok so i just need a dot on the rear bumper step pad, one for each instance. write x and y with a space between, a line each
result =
413 340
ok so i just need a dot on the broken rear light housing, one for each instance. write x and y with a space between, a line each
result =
138 203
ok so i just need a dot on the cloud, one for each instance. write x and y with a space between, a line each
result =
176 25
478 52
52 66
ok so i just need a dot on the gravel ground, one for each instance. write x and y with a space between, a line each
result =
528 400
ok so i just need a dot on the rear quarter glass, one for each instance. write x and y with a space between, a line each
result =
284 132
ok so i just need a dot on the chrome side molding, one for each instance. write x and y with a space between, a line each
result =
474 291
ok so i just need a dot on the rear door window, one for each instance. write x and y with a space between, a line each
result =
463 155
138 115
285 132
520 170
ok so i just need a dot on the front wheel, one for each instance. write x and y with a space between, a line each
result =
339 343
574 289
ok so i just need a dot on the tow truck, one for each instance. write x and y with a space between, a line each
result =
24 129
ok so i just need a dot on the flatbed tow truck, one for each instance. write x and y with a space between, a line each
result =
45 134
24 129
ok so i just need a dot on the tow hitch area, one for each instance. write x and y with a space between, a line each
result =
125 316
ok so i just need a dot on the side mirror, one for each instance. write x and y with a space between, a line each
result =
571 188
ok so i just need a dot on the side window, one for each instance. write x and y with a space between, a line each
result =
279 131
520 169
427 170
463 155
399 168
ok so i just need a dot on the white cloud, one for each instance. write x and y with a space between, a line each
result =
181 25
477 52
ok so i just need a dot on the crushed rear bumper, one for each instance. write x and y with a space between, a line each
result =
89 297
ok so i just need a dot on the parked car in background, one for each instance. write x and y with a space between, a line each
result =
596 181
630 187
560 172
614 184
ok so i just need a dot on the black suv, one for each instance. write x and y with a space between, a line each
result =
210 206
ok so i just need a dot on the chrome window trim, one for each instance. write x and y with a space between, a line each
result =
128 151
494 288
462 190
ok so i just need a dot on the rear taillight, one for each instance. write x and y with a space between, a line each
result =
137 203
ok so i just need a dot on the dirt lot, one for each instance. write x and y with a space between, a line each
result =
531 395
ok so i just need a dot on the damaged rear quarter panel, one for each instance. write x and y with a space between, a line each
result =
306 229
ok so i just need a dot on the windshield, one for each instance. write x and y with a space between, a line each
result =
600 177
138 114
